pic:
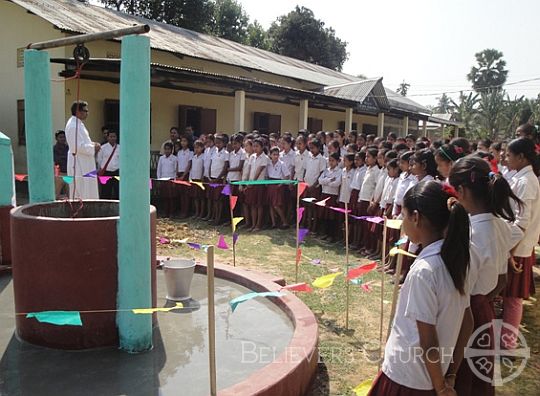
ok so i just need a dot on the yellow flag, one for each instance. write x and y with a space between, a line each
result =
322 282
201 186
235 222
396 250
152 310
395 224
117 177
363 388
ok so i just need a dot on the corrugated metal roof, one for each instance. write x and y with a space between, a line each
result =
403 103
359 91
79 17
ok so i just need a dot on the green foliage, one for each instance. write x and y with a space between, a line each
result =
230 21
300 35
489 74
403 88
444 104
257 37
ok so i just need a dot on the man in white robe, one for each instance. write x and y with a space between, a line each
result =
81 155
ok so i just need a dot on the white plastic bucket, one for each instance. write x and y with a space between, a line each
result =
178 277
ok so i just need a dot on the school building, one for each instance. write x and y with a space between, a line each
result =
199 80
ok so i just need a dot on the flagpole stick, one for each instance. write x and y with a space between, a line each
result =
211 320
347 264
232 229
397 276
383 261
297 230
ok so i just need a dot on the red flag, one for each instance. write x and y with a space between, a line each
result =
299 287
359 271
298 255
186 183
20 177
233 201
301 188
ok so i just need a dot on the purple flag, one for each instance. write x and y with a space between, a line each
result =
299 214
302 232
234 238
91 174
195 246
226 190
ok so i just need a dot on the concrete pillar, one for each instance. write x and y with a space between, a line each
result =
303 114
134 276
348 119
442 130
239 110
7 198
380 125
424 128
456 131
38 124
405 125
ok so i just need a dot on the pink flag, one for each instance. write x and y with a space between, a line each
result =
340 210
104 179
164 240
375 219
323 202
221 243
234 200
20 177
359 271
301 188
299 214
299 287
185 183
302 232
150 183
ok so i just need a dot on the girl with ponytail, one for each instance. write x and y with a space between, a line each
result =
433 320
488 199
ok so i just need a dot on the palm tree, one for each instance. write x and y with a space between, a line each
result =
490 113
403 88
466 109
444 105
490 73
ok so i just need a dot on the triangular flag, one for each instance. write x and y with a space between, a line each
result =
340 210
195 246
298 255
299 287
309 199
179 240
58 318
245 297
323 202
20 177
104 179
117 178
396 250
221 243
67 179
302 232
235 222
233 201
395 224
183 182
322 282
299 214
214 185
164 240
374 219
234 238
199 184
316 261
359 271
363 388
91 174
301 188
366 287
226 190
179 305
402 241
150 183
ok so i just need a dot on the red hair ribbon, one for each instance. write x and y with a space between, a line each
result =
458 149
447 188
537 148
493 165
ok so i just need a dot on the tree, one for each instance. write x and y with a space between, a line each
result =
489 74
257 36
230 21
300 35
466 109
490 113
403 88
444 104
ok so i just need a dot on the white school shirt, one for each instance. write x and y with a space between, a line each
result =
389 191
247 166
492 238
256 163
428 295
527 188
330 186
358 178
279 170
184 156
208 152
369 184
343 151
105 153
234 162
379 187
405 179
167 166
345 188
507 173
300 161
197 167
314 167
289 159
218 162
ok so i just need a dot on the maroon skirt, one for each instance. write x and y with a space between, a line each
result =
313 192
276 194
255 195
384 386
521 284
215 192
165 189
353 200
196 192
325 212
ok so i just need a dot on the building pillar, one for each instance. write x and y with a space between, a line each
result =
405 125
38 124
303 114
456 131
380 125
7 198
442 130
348 119
239 110
134 272
424 128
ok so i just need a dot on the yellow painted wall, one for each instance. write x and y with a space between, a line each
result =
13 36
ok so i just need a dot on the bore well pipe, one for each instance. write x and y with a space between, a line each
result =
85 38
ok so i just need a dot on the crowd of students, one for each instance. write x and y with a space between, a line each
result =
471 213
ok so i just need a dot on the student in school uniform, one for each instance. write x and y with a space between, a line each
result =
405 179
277 170
237 159
366 194
208 153
445 156
387 202
256 195
300 158
195 170
248 149
315 166
184 155
219 166
330 180
347 175
356 185
288 156
486 196
108 159
166 170
521 157
433 319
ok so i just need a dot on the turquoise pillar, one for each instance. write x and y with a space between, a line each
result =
134 277
38 124
7 178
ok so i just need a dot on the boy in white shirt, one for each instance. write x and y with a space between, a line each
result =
330 181
219 165
277 170
166 170
109 164
195 170
184 155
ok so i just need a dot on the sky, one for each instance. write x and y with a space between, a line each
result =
430 44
